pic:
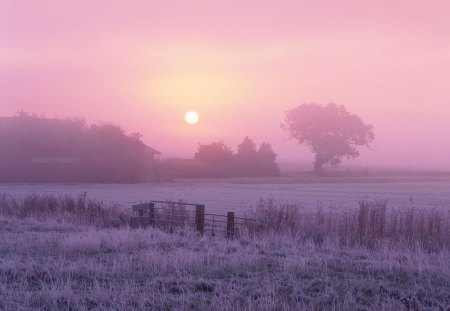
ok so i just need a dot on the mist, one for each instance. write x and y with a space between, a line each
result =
224 155
140 67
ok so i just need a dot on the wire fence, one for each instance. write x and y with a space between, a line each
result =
172 216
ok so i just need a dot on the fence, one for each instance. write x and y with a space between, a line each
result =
181 215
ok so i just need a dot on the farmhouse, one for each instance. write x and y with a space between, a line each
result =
41 149
151 154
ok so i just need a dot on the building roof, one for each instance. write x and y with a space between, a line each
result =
150 150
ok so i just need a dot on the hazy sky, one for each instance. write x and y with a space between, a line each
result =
240 64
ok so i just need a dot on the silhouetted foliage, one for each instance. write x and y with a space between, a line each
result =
218 160
331 132
214 153
247 158
35 148
267 165
253 162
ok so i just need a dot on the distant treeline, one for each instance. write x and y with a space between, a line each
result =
219 160
39 149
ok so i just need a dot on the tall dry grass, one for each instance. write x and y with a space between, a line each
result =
72 210
368 224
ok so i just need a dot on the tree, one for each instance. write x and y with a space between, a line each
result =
217 159
256 162
114 156
331 132
247 157
266 160
35 148
214 153
247 148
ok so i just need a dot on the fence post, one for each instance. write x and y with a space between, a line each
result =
200 218
172 210
152 213
230 225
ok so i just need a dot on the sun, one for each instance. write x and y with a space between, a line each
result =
191 117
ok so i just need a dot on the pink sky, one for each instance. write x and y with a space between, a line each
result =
240 64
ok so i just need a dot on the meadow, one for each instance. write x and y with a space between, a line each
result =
62 252
240 194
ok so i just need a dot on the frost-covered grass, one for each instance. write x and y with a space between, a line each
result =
368 224
63 208
322 259
54 266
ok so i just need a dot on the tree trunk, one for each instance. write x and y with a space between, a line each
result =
318 167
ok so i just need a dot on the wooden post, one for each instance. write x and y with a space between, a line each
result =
200 218
172 210
230 225
152 213
141 218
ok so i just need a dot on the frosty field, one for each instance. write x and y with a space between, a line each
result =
238 195
50 266
59 252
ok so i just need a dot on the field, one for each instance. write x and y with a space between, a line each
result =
328 252
222 195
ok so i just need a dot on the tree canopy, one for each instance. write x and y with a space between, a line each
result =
267 160
36 148
217 153
216 160
247 157
331 132
219 160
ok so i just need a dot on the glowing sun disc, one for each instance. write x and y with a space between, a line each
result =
191 117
